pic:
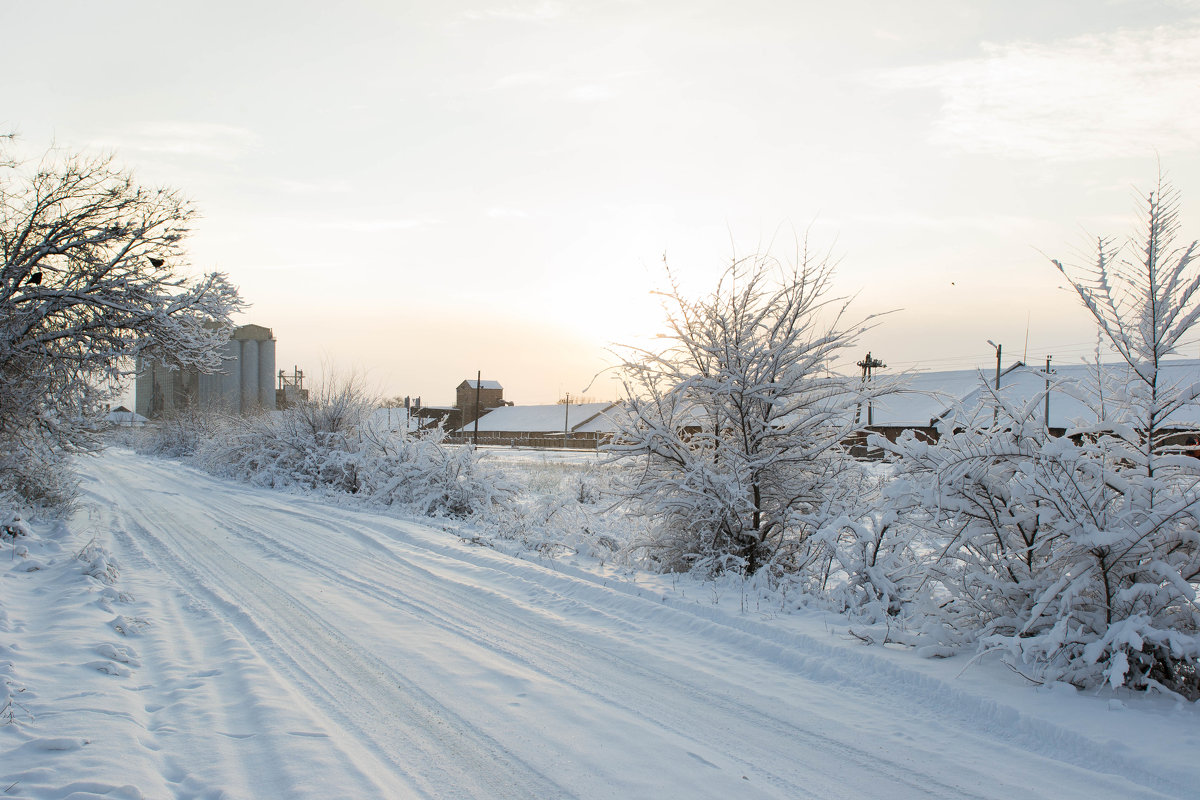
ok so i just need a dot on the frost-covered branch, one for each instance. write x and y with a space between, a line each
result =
92 274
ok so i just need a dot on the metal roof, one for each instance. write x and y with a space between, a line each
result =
537 419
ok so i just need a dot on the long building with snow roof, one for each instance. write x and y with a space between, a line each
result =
1063 399
556 425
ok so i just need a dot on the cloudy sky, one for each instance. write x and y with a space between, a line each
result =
423 190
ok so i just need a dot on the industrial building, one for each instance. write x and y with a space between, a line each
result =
579 425
244 384
476 398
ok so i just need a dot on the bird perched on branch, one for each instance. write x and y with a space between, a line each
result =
156 262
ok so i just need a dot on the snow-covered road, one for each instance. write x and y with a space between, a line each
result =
269 645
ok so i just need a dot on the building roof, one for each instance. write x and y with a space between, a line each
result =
124 417
1073 392
602 422
922 396
549 419
927 396
397 419
252 332
482 384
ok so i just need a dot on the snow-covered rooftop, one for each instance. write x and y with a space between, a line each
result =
126 418
483 384
1073 391
602 422
928 395
393 419
924 396
537 419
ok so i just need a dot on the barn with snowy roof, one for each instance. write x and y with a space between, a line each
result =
1063 398
1069 396
559 425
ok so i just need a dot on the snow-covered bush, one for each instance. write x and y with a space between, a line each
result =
278 451
180 433
733 434
11 523
424 473
316 444
564 509
1080 555
1127 501
328 444
36 470
972 500
867 564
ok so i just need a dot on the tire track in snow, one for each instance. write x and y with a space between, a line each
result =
530 637
190 706
359 692
506 607
835 669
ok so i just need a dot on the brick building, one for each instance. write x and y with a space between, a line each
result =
490 395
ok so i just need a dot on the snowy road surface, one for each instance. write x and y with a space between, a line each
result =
262 645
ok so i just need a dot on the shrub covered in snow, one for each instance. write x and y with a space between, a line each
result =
1080 555
422 472
178 434
328 444
865 563
734 432
11 523
36 470
564 508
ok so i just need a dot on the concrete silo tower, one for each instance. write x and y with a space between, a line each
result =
244 384
255 370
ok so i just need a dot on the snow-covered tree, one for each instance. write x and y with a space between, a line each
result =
92 273
734 433
1080 555
973 502
1128 507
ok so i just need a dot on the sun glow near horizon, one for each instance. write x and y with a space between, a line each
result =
426 191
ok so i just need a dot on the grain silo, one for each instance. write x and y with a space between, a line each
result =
244 383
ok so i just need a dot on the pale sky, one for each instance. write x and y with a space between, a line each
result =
423 190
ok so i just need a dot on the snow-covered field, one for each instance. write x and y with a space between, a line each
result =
185 637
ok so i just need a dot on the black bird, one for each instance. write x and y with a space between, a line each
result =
34 279
156 262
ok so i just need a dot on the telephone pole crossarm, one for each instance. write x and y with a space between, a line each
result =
869 365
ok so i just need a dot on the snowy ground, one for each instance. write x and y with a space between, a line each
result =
189 638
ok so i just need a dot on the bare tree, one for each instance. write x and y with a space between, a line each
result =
93 273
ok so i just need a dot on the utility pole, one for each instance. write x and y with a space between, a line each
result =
1047 395
478 380
996 407
566 420
869 365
